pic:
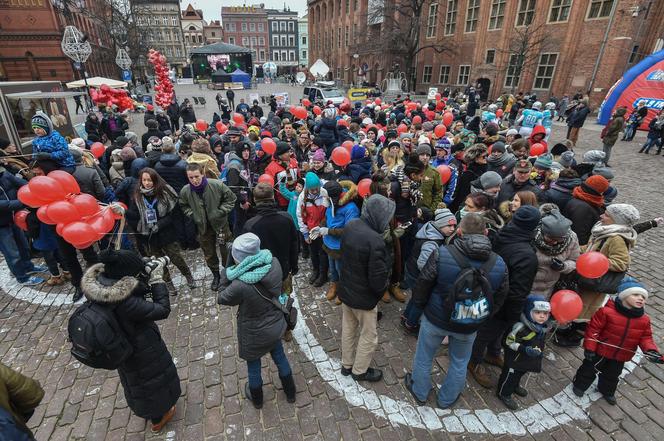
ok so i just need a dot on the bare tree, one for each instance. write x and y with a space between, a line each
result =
526 43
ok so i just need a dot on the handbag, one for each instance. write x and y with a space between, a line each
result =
290 312
607 284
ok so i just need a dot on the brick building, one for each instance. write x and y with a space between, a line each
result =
30 36
161 28
247 26
283 31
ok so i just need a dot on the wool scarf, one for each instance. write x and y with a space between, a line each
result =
165 204
587 194
252 268
200 189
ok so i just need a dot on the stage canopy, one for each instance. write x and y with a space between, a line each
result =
220 48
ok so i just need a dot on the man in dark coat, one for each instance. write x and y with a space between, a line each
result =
172 168
174 115
87 177
515 245
518 181
153 130
149 377
363 281
230 95
585 206
576 120
187 112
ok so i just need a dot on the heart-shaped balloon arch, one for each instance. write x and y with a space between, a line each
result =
109 96
163 87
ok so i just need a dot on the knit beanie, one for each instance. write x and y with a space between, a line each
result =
245 245
544 161
121 263
318 156
282 147
357 152
443 218
167 141
491 129
610 194
42 121
594 156
155 143
490 179
498 147
443 143
535 303
423 149
427 126
78 143
630 286
597 183
526 217
623 214
566 158
603 170
127 154
121 141
263 193
512 132
556 225
311 180
333 189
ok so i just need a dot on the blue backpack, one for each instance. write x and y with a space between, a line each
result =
224 172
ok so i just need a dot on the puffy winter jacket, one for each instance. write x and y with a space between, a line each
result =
173 169
583 217
9 203
431 188
546 277
311 212
274 168
360 169
614 332
427 241
538 130
337 219
510 187
560 192
326 128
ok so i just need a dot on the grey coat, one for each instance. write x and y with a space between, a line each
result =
260 325
89 181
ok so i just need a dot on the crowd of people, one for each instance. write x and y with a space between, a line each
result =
472 213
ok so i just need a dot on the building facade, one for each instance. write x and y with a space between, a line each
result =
30 36
193 27
161 28
247 26
283 32
213 32
303 41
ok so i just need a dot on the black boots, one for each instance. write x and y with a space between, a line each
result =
255 395
313 277
321 280
289 387
78 294
215 281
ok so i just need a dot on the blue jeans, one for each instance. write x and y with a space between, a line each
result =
279 358
14 246
428 342
335 269
651 142
412 313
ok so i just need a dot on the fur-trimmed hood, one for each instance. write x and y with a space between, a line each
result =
100 289
350 192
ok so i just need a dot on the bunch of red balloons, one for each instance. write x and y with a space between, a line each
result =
108 96
164 88
80 219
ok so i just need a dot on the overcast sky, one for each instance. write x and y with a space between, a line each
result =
212 8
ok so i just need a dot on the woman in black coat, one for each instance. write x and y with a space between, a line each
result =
149 377
476 159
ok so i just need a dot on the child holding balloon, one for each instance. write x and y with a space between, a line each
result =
611 339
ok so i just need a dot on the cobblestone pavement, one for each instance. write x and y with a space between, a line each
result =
81 403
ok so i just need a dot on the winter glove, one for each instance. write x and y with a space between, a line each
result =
154 267
531 351
654 356
590 356
43 155
323 231
314 233
557 264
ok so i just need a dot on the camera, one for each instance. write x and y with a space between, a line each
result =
152 263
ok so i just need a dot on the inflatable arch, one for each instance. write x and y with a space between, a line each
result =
643 82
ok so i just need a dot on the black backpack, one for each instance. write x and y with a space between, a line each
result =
470 302
97 337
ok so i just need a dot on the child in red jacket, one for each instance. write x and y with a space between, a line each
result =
612 337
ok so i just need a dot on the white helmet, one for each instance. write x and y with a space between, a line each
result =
537 105
550 106
492 108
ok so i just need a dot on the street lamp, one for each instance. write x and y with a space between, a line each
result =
76 46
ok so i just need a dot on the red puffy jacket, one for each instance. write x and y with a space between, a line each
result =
273 169
623 333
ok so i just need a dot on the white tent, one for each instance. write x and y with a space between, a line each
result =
97 82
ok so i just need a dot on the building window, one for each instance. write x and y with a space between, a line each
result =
600 8
291 40
275 26
464 75
304 40
253 41
275 55
275 40
261 55
490 56
426 74
178 52
244 27
432 20
164 20
497 14
291 26
245 41
451 16
260 27
283 41
511 77
347 6
252 27
444 75
291 55
282 26
304 55
346 36
472 15
339 38
525 13
174 21
284 56
231 40
186 38
560 10
545 71
634 56
261 41
176 34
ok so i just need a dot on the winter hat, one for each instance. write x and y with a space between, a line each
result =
597 183
443 143
405 135
603 170
155 142
630 286
127 154
491 129
121 141
242 146
367 121
333 189
526 217
152 124
610 194
423 149
357 152
490 179
498 147
423 139
263 193
443 218
318 156
282 147
330 112
245 245
167 141
523 165
121 263
623 214
594 156
234 131
394 144
566 159
311 180
512 132
266 134
427 126
78 143
535 303
42 121
556 225
544 161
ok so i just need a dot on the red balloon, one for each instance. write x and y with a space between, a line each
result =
342 123
83 246
20 219
363 187
266 179
42 216
440 130
592 265
238 118
102 223
299 112
440 106
85 204
445 173
221 127
340 156
448 118
47 188
438 96
268 145
499 113
348 145
417 119
566 306
29 198
67 181
378 101
317 110
78 233
306 102
58 229
402 128
201 125
537 149
62 212
97 149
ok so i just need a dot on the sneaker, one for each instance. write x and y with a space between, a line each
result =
371 375
521 391
346 371
38 269
578 392
509 402
408 381
156 428
480 374
32 281
494 360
